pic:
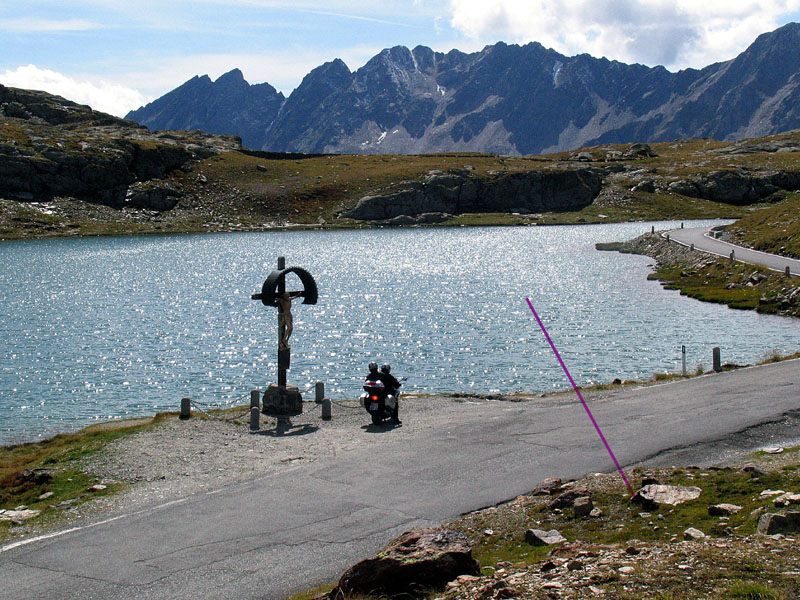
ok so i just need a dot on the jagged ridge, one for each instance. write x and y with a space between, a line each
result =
505 99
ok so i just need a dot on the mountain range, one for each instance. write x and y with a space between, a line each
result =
505 99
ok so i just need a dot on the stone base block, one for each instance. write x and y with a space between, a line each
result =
280 401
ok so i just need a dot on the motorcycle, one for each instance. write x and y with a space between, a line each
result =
378 402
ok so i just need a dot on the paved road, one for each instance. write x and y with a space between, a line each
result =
702 241
276 535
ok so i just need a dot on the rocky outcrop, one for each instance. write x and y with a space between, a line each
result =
773 523
54 110
413 563
456 193
736 187
54 148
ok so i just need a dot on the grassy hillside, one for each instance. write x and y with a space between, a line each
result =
128 179
775 229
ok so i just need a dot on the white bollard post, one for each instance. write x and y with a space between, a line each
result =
683 360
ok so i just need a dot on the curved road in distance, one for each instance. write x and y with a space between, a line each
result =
279 534
703 241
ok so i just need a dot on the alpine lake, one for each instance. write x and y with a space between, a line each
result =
98 329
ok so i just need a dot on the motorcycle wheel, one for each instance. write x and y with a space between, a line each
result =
376 419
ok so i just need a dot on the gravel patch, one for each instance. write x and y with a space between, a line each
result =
175 458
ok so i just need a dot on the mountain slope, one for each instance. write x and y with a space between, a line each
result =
505 99
227 106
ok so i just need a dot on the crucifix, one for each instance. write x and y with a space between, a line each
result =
280 400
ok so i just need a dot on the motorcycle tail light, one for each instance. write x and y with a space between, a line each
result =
375 398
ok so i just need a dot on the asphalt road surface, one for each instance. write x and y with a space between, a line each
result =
276 535
703 241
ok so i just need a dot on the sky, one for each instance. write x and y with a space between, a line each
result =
119 55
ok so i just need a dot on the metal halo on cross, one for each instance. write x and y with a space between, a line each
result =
271 284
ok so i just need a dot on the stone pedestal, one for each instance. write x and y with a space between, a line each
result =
282 401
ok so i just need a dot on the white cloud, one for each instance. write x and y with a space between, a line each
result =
104 96
33 25
675 33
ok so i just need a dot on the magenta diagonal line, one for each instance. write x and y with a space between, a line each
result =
577 391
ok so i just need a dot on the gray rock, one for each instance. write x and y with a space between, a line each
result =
640 151
546 487
654 494
692 534
539 537
401 220
419 559
755 471
644 186
531 191
723 510
583 507
567 499
772 523
18 515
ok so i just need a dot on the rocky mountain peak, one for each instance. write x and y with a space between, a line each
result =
506 99
233 78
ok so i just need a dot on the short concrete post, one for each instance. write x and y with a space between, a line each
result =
683 360
667 237
652 229
255 413
691 248
186 408
717 360
255 399
733 255
326 409
681 225
319 392
787 272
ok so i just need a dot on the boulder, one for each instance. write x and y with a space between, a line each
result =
692 534
539 537
787 499
15 516
644 186
583 507
653 495
567 499
546 487
772 523
639 150
723 510
417 561
755 470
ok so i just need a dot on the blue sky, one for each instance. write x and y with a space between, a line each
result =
117 55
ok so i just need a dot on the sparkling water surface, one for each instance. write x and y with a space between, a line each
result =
108 328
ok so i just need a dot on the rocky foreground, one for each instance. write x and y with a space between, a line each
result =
722 532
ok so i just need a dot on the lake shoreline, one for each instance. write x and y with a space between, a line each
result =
710 278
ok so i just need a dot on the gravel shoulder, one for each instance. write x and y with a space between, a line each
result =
175 458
